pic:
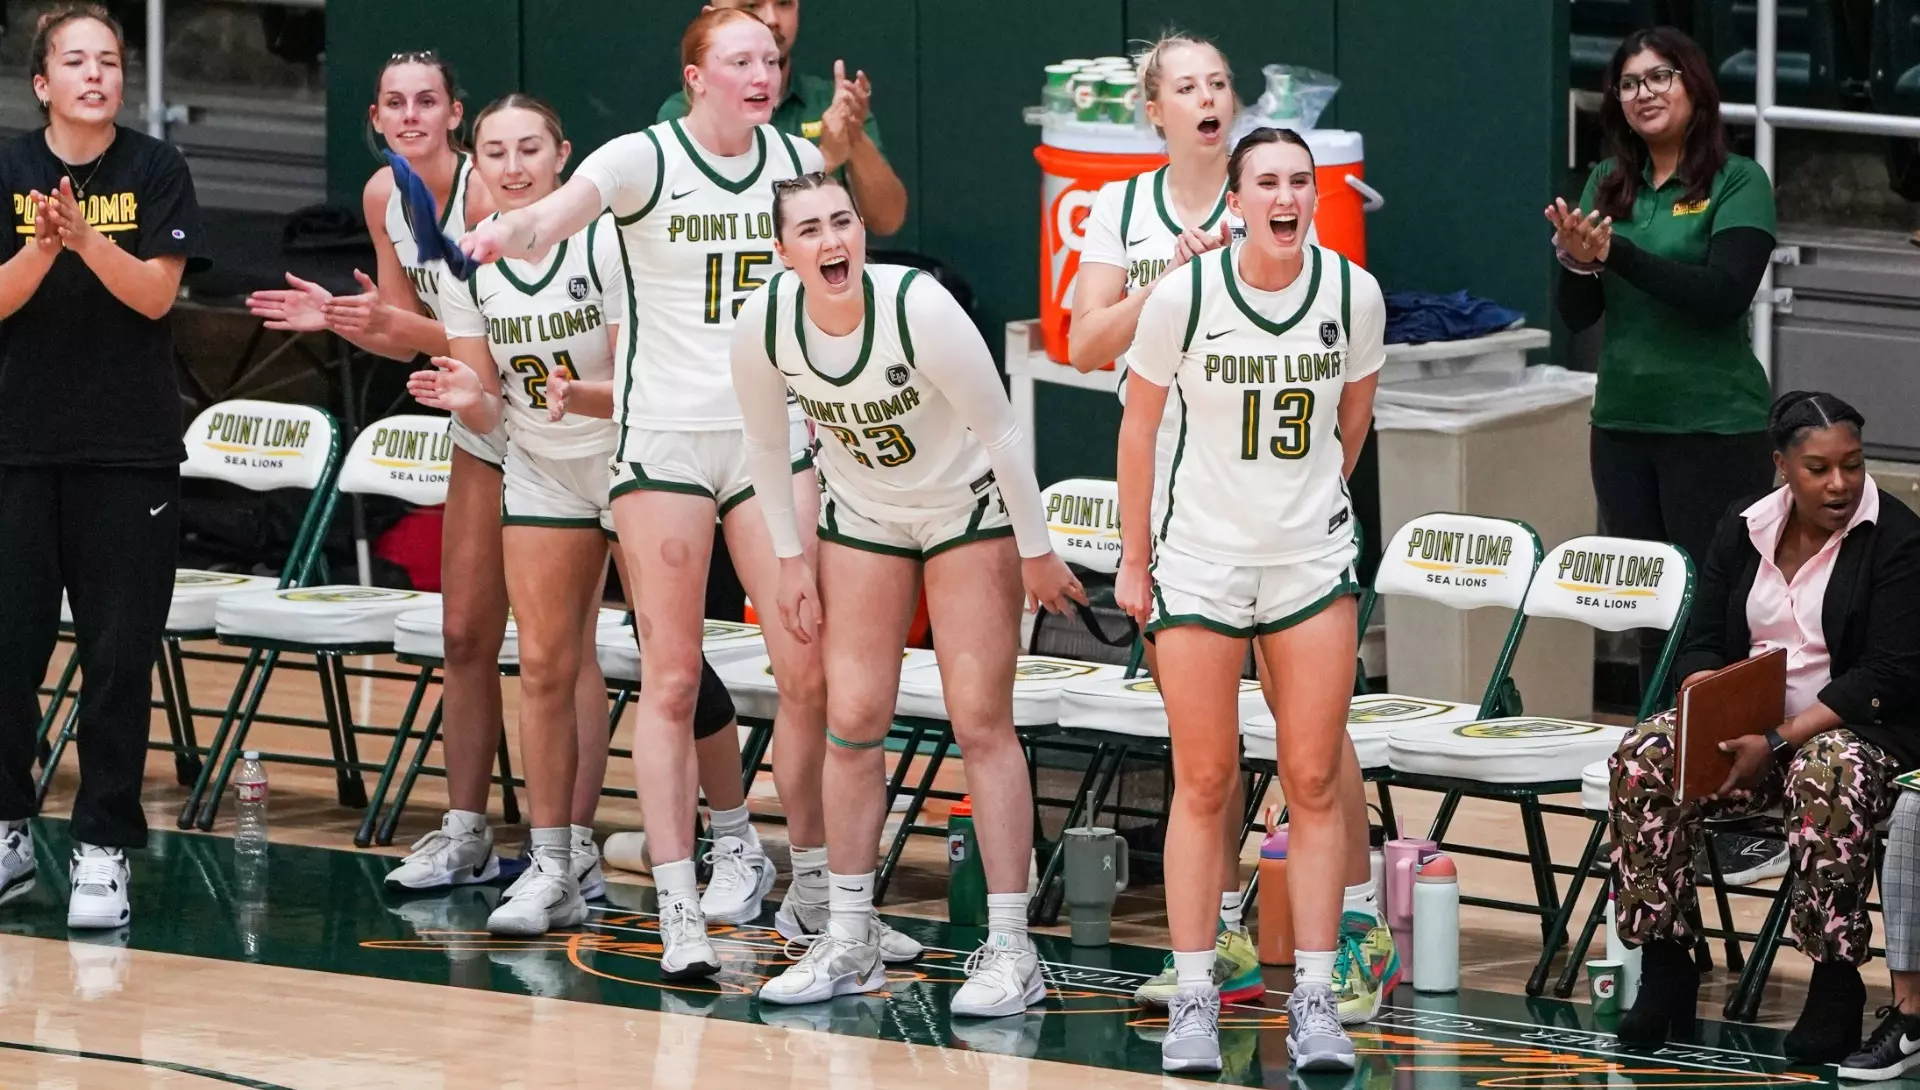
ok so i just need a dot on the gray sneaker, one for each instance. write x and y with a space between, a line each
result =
1315 1038
16 860
1193 1031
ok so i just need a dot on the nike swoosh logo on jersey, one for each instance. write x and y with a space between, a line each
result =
687 193
1139 241
152 511
1222 333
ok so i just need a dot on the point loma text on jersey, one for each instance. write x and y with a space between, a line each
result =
1305 367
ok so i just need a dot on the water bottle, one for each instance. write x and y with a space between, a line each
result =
1436 926
1275 944
1627 956
250 792
966 874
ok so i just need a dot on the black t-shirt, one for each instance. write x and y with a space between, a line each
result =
84 378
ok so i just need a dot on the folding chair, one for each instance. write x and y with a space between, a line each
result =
1607 583
1463 562
408 458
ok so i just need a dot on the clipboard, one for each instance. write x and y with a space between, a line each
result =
1748 697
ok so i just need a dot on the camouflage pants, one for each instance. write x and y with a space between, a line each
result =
1834 790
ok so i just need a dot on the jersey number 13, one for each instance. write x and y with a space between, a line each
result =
1294 436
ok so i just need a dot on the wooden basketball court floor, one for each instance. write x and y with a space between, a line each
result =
305 973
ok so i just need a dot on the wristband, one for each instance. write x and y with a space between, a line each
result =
1774 741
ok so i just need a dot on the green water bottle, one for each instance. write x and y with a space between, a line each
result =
966 875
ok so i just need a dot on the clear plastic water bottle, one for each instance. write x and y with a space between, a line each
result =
250 794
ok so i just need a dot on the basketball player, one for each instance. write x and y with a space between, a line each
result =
417 110
925 473
1140 232
1273 346
694 200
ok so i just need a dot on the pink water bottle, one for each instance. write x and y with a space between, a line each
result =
1404 857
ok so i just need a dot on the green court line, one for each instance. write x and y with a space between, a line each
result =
183 1069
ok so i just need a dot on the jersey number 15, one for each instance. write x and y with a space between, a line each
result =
744 263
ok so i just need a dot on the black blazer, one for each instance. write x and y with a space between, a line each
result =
1870 617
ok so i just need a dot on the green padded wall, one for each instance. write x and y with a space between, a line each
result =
887 47
483 44
604 64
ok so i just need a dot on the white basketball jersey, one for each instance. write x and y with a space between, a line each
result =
890 442
694 252
542 316
429 277
1147 226
1256 476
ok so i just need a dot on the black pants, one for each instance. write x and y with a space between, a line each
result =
108 536
1673 488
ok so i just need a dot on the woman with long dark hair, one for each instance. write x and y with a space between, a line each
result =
1669 243
105 225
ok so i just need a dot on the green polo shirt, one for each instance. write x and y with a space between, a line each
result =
1661 369
797 115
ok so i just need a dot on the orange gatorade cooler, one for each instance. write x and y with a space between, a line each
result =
1339 159
1074 164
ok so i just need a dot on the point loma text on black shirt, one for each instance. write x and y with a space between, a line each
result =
84 378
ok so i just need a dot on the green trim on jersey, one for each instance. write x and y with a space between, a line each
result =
659 183
900 314
773 320
1161 206
1346 304
1265 325
461 168
1193 311
551 523
593 267
792 155
866 338
553 270
633 346
721 180
1126 208
1179 451
643 483
829 531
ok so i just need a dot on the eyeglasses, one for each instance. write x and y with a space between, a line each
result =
1658 80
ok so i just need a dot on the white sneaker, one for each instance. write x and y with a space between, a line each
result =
1003 979
685 953
742 878
804 921
17 867
585 862
550 899
98 879
1192 1042
455 854
830 967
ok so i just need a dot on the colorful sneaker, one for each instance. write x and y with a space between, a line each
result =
1236 973
1367 969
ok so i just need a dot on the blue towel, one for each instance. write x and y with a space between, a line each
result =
416 203
1416 317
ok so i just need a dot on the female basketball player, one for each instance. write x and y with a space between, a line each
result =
1274 345
417 111
1140 232
509 327
695 201
925 473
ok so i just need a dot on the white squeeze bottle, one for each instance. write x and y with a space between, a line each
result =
1436 926
250 797
1627 956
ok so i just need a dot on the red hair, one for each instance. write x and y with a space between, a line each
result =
699 37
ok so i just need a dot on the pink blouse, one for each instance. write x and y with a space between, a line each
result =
1787 614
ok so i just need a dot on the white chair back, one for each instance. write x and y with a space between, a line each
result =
1460 561
406 457
262 445
1614 584
1083 519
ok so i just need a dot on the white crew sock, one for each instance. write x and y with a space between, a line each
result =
582 838
1007 915
676 880
1361 899
1312 967
554 845
850 903
1231 910
1194 968
809 875
733 823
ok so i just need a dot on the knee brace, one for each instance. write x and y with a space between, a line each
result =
713 708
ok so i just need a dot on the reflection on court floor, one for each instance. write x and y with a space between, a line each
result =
236 1012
